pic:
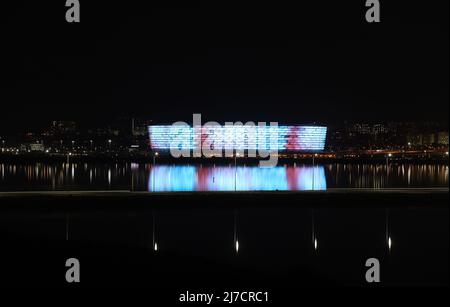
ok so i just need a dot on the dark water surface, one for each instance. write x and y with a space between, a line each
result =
233 246
215 247
144 177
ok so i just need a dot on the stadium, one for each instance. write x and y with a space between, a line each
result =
238 138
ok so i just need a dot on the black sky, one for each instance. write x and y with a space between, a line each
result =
303 63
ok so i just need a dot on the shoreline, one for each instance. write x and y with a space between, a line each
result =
440 160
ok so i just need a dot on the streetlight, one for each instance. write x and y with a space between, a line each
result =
387 165
313 166
153 169
388 236
235 170
91 144
313 232
109 143
236 240
154 158
389 155
155 244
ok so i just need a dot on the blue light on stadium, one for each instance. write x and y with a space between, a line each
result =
288 138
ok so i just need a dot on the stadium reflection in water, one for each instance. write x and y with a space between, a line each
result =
140 177
196 178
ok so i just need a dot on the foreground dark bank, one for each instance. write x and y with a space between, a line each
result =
278 242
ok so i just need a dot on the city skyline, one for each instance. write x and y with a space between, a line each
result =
134 135
130 121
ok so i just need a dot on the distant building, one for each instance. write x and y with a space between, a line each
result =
414 139
36 147
379 129
139 127
429 139
442 138
360 128
62 127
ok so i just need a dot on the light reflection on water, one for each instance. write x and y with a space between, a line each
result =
144 177
194 178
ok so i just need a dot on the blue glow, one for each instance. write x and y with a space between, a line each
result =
168 178
191 178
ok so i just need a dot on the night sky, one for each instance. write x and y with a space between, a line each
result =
298 64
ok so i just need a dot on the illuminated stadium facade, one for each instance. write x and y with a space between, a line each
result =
239 137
